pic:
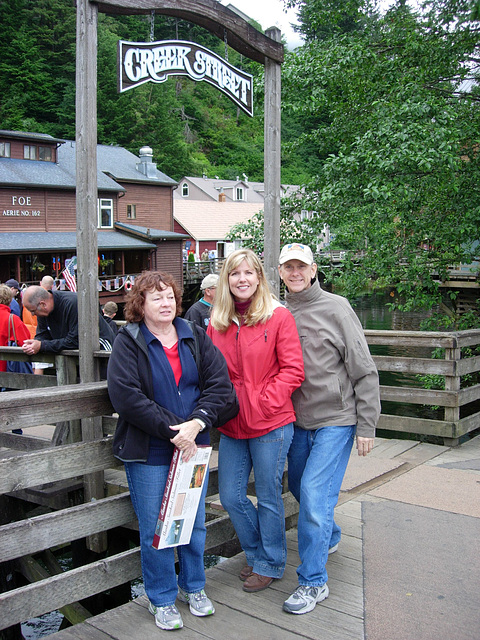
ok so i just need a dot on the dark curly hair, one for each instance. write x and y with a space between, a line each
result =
149 281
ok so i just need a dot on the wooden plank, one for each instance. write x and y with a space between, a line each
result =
408 424
465 425
56 463
20 409
26 381
83 632
23 442
212 16
411 365
60 527
414 395
431 339
469 394
47 595
323 623
34 571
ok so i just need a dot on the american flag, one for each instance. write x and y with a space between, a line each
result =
69 274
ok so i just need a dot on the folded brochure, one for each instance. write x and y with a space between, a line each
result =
181 498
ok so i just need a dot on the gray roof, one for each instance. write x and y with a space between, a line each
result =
149 234
66 241
122 165
114 164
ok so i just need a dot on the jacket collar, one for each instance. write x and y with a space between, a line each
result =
297 300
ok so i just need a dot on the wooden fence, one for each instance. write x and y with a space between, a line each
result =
30 465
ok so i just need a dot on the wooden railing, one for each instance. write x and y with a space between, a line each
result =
34 465
196 271
453 367
24 542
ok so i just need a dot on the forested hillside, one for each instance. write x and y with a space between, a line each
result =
191 127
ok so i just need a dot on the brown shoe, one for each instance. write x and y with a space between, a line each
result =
256 582
245 573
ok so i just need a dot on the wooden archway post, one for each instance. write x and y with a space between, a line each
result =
87 223
241 36
272 160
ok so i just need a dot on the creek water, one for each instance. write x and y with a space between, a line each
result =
373 313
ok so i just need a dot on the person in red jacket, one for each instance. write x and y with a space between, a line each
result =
260 342
21 330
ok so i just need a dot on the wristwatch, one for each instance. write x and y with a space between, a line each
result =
202 424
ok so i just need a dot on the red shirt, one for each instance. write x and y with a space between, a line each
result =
21 331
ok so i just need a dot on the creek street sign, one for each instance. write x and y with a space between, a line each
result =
140 62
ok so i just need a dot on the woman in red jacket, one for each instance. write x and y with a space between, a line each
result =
21 331
259 340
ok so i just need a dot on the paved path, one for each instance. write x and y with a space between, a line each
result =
407 567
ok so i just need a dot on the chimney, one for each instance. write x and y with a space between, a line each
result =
146 166
222 197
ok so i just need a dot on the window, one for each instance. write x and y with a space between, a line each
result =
131 211
105 214
4 149
29 152
239 193
185 190
45 153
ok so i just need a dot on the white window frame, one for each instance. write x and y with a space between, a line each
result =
28 150
102 205
131 211
239 194
5 150
185 190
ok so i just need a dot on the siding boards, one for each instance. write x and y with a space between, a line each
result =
60 211
20 200
154 206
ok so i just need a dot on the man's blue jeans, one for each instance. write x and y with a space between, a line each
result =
317 462
147 483
261 529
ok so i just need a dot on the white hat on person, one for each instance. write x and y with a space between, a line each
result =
209 281
296 251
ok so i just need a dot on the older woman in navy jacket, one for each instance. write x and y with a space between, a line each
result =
154 385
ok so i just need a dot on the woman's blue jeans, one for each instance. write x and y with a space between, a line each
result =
147 483
317 462
260 529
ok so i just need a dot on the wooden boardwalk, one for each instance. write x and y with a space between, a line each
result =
398 475
255 615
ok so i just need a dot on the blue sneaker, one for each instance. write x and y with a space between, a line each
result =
199 603
167 618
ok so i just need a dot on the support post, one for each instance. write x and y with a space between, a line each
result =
87 189
87 221
272 166
452 383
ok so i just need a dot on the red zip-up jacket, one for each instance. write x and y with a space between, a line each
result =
265 364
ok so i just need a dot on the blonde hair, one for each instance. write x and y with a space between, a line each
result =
6 294
261 306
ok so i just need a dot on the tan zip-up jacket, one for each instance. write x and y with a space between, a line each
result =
341 385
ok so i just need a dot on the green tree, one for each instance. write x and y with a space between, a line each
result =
398 137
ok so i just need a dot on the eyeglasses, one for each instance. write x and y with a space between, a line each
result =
34 311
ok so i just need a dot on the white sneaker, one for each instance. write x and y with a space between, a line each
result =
199 603
304 599
167 618
333 549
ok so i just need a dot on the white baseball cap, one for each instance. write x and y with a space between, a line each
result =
210 281
296 251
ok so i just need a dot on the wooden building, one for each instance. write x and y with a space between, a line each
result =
38 212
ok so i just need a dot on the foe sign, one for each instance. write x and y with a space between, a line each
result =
141 62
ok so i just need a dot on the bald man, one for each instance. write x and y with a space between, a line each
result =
57 328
